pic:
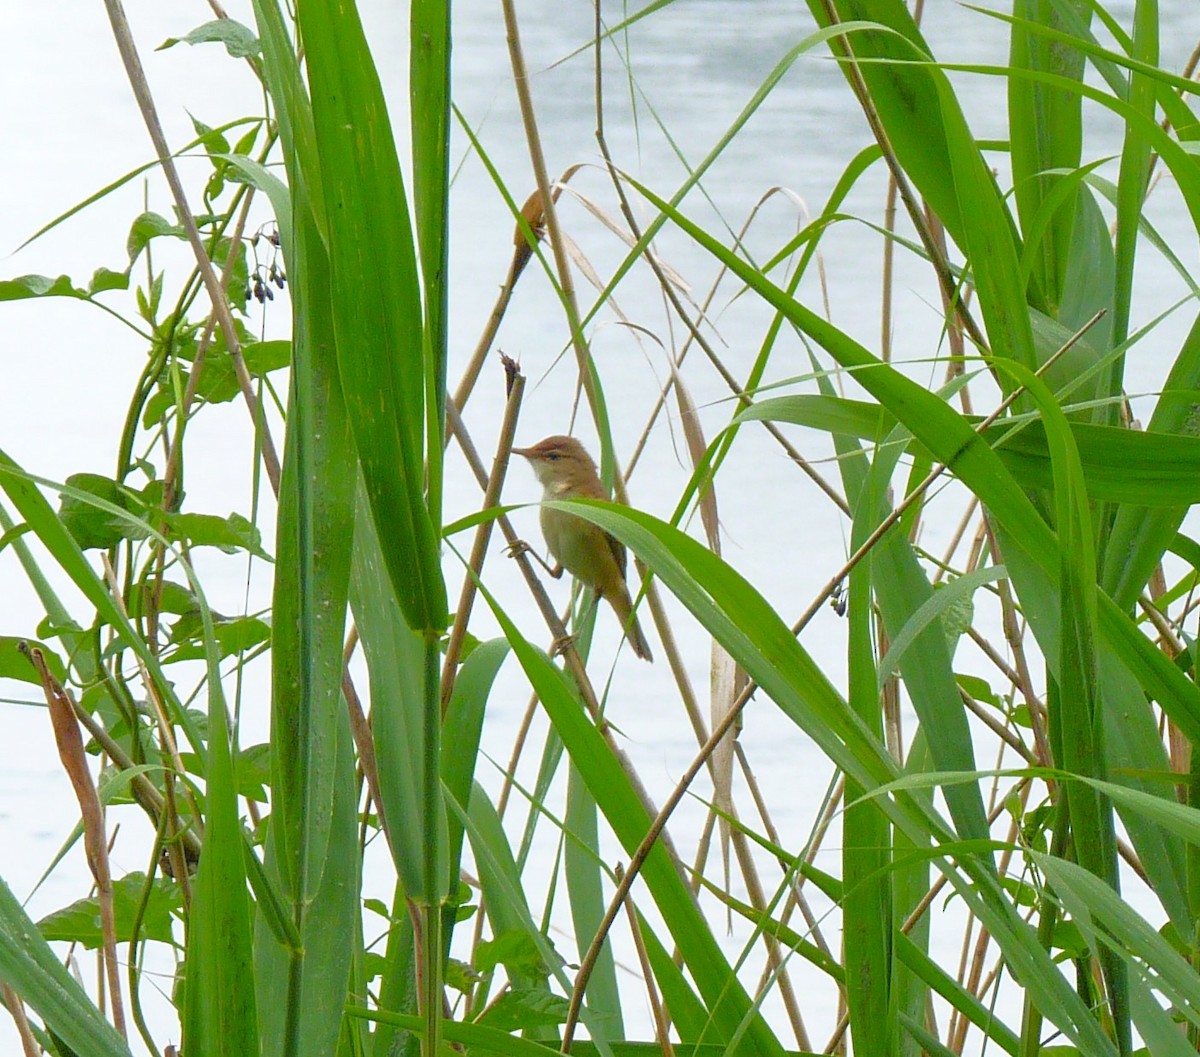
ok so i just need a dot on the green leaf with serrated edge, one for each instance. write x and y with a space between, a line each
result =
239 40
524 1009
93 526
15 662
80 922
38 286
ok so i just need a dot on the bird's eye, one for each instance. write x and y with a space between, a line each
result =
553 456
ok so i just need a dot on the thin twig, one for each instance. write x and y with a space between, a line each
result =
662 1030
216 293
483 536
16 1009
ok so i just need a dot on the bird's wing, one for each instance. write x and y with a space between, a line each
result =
618 552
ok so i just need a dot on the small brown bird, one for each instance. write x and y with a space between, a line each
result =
590 554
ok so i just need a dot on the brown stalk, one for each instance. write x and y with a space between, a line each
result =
216 293
776 963
546 195
1016 643
889 259
534 217
360 731
483 536
74 760
796 898
971 980
956 539
16 1009
662 1031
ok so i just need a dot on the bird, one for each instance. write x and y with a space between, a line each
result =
566 471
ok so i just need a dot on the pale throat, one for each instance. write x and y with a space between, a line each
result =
554 485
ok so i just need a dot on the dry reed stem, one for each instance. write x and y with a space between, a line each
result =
1016 644
776 963
662 1032
16 1009
547 199
888 283
954 329
731 382
534 217
74 761
360 731
795 898
955 541
483 535
216 293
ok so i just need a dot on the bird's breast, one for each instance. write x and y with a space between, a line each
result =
581 548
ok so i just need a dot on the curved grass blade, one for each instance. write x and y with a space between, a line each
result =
33 971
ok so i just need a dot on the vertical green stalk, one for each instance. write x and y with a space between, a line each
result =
429 101
1046 135
429 97
431 818
1132 181
1193 878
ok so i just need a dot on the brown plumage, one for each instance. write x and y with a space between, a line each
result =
587 552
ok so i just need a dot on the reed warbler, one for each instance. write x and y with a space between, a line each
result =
590 554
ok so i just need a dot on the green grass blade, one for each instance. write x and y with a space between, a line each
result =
34 972
395 664
377 313
429 95
728 1004
585 892
1046 133
867 920
463 728
313 835
219 1011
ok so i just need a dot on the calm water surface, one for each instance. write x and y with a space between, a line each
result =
68 370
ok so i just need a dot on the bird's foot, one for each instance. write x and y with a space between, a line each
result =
517 548
560 645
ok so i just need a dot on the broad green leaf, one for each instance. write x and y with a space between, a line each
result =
80 922
238 39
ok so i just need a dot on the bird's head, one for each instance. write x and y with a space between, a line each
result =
560 463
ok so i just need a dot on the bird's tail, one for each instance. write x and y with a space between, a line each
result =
623 607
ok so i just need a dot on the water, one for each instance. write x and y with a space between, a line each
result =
68 370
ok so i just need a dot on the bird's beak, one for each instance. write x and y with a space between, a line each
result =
522 451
